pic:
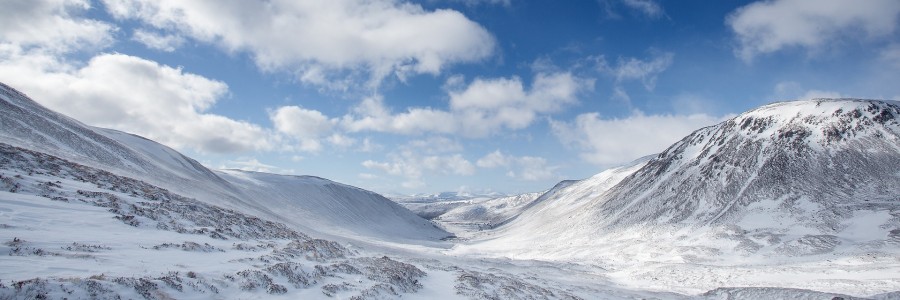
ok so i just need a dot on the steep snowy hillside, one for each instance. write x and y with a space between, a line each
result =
73 231
811 163
539 220
315 207
29 125
322 205
806 185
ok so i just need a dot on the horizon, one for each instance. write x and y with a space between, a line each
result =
424 97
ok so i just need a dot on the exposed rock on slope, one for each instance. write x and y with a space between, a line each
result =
787 179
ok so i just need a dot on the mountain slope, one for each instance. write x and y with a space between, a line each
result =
834 156
794 195
318 204
787 179
329 208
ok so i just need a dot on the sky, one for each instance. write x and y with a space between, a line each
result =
407 97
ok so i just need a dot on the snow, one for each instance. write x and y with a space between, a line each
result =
800 203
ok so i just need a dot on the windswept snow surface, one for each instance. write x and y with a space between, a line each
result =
322 205
793 200
312 204
793 194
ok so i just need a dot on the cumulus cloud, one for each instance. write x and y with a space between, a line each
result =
529 168
480 109
341 140
617 140
634 69
52 25
768 26
136 95
322 41
493 160
306 126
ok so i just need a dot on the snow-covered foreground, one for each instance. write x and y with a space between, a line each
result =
95 213
73 231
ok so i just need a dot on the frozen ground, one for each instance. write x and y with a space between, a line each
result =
90 213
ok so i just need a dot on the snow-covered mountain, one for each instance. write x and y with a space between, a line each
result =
810 181
466 214
431 206
792 194
92 213
308 203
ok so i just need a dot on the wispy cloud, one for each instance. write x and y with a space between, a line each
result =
768 26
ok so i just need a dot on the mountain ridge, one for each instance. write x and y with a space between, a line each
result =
29 125
786 179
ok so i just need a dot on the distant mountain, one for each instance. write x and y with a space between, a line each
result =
787 179
308 203
444 197
491 212
467 213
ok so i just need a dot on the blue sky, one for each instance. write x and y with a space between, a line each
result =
426 96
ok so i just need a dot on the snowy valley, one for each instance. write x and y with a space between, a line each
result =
795 200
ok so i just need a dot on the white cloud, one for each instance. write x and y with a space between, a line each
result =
412 166
52 25
768 26
153 40
410 163
482 108
299 122
307 127
341 140
612 141
529 168
631 69
322 41
372 115
139 96
369 146
647 7
533 168
493 160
